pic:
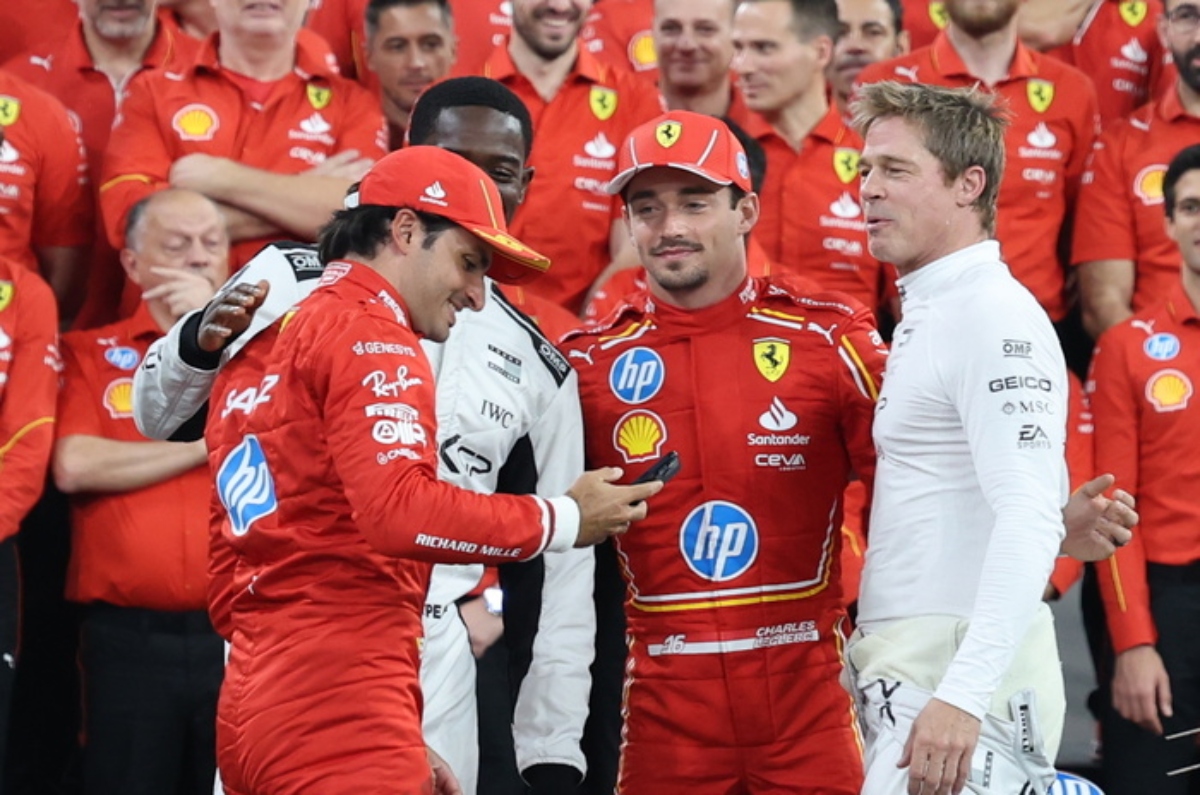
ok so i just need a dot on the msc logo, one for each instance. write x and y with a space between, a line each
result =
719 541
637 375
245 486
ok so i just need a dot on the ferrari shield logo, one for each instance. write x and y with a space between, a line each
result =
845 164
1133 13
603 102
772 356
318 96
667 133
10 109
1040 94
6 295
937 13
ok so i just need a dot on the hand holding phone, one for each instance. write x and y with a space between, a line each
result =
664 469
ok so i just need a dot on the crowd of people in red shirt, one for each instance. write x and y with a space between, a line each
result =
260 115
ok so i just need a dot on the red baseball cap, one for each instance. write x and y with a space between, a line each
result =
688 141
439 182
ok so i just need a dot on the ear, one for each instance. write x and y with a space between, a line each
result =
971 184
903 43
748 212
824 46
407 232
129 263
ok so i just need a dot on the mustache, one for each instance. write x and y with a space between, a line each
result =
669 243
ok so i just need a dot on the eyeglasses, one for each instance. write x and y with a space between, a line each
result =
1185 19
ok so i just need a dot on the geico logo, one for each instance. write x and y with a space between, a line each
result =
850 247
1039 175
1020 382
782 460
591 185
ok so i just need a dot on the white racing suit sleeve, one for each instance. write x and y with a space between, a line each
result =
1019 464
552 704
167 389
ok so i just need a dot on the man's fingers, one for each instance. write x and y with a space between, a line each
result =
1125 498
963 772
906 757
1098 485
1164 697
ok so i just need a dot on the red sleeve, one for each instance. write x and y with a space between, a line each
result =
137 162
864 356
1122 577
1104 221
77 399
363 125
1081 467
27 396
62 214
222 559
381 426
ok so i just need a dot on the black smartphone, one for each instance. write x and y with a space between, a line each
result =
664 469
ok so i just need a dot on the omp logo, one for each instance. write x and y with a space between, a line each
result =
637 375
719 540
245 486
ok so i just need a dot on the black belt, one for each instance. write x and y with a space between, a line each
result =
166 622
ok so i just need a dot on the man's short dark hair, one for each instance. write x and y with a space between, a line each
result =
897 10
812 18
465 92
1188 159
377 7
363 230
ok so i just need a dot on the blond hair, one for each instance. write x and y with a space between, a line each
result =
961 128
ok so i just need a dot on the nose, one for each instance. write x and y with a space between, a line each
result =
741 61
474 292
869 187
198 256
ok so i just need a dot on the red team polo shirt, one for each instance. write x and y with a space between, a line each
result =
1121 202
311 114
621 33
1143 395
342 24
65 69
144 548
45 197
29 368
480 26
924 20
567 214
811 223
27 23
1118 47
1053 123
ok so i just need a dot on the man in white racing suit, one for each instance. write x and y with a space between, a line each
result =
508 419
954 660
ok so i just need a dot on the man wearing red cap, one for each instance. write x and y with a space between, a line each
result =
767 396
322 441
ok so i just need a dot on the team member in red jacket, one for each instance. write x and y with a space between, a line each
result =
1147 417
260 122
767 396
28 389
322 440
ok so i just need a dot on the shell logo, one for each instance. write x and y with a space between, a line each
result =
1169 390
196 122
1148 184
639 436
118 398
642 54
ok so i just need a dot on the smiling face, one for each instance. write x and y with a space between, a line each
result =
442 278
776 67
694 42
549 27
491 140
412 47
688 233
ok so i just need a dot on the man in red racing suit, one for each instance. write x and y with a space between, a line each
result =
734 608
322 442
